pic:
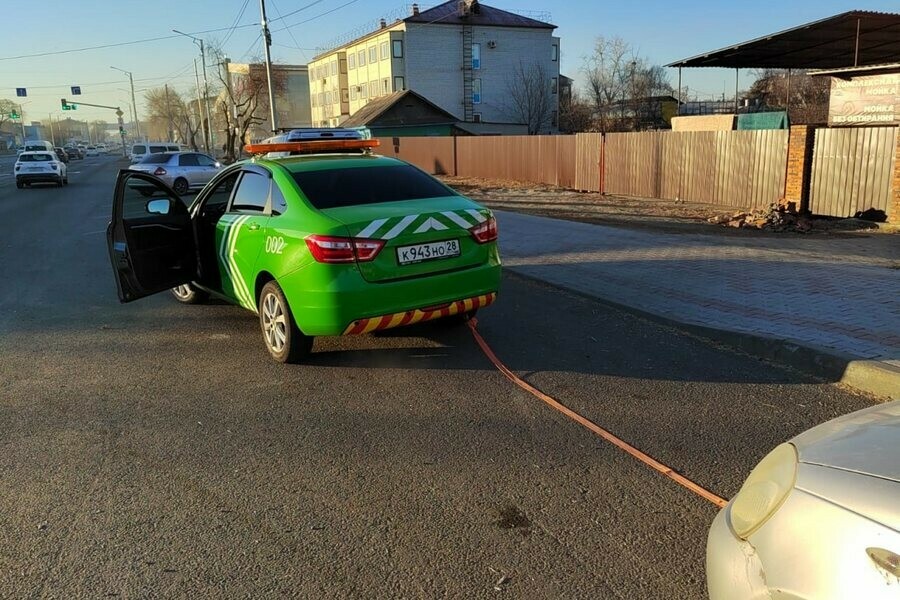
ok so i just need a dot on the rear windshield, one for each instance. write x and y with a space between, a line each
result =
155 159
332 188
37 148
138 149
35 157
156 149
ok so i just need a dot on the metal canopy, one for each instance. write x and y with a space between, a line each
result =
854 38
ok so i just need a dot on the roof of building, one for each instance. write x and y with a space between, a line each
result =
448 13
376 108
852 71
824 44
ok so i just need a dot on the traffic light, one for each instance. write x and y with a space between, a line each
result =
65 105
13 115
121 130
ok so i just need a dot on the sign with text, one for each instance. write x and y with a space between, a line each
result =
76 90
865 100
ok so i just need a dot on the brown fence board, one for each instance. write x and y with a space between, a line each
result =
851 170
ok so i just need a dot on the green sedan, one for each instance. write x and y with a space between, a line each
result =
322 243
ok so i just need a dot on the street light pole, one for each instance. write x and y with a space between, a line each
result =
199 41
137 123
267 42
200 110
52 134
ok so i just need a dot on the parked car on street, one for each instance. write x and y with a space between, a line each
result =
91 151
142 150
183 171
62 155
333 242
819 517
40 167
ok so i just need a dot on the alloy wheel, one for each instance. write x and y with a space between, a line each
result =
274 323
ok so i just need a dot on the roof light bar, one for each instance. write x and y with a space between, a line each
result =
312 146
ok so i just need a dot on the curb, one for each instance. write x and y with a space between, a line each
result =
870 376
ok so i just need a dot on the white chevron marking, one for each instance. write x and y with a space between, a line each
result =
399 227
430 224
371 228
478 216
457 219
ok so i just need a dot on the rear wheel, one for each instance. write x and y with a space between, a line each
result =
59 183
66 180
284 340
180 186
188 294
20 185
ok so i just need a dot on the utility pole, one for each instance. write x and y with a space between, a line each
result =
200 110
133 101
169 115
212 140
22 122
267 42
52 134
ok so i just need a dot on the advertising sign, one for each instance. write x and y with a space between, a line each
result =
865 100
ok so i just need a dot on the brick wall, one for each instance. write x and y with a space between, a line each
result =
894 206
796 186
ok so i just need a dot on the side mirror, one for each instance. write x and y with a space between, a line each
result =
160 206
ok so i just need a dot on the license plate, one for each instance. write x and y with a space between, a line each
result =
407 255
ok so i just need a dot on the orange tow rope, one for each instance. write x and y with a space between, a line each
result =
606 435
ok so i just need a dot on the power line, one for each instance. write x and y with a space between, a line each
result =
275 6
250 49
294 12
234 23
327 12
119 44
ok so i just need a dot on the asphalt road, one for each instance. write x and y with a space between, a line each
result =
154 449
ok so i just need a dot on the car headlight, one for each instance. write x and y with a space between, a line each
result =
766 488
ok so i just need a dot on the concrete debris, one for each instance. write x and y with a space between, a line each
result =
779 218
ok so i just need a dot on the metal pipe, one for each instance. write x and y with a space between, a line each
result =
211 140
856 49
200 109
787 102
680 101
133 101
736 73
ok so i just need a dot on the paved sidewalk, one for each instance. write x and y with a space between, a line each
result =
834 294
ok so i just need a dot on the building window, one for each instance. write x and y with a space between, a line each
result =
373 89
385 50
353 93
328 98
399 84
476 91
385 86
361 58
343 63
362 91
345 95
476 117
398 48
334 67
554 52
351 60
554 85
476 56
373 55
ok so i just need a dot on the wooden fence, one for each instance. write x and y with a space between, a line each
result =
731 168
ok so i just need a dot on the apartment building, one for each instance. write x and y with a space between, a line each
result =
461 55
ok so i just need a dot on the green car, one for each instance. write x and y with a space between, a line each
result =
318 244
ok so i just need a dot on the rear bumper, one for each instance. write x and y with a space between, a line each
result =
38 178
347 304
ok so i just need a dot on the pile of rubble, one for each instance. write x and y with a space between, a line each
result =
774 218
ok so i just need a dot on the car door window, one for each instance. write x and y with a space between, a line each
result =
279 204
188 160
217 200
205 161
252 194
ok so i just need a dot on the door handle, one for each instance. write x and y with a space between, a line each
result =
253 226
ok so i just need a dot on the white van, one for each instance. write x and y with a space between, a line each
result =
143 149
38 146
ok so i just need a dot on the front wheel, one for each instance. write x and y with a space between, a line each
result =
188 294
284 340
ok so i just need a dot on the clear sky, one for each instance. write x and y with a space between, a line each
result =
663 31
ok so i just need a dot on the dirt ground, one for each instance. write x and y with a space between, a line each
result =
640 213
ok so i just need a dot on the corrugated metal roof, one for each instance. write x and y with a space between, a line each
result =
374 109
448 14
824 44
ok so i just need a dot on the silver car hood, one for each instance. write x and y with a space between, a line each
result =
866 441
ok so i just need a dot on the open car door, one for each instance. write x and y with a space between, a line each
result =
150 237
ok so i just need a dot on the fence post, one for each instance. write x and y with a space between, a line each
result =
602 163
455 168
894 203
799 160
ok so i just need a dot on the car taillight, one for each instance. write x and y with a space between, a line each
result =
159 171
328 249
485 232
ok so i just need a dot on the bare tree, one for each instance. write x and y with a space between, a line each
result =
7 107
531 97
575 113
243 101
169 109
607 72
808 102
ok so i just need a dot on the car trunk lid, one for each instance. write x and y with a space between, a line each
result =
421 237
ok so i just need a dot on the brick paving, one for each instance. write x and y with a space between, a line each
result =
832 293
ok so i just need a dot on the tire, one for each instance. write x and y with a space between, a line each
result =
66 181
180 186
188 294
60 182
20 185
283 339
